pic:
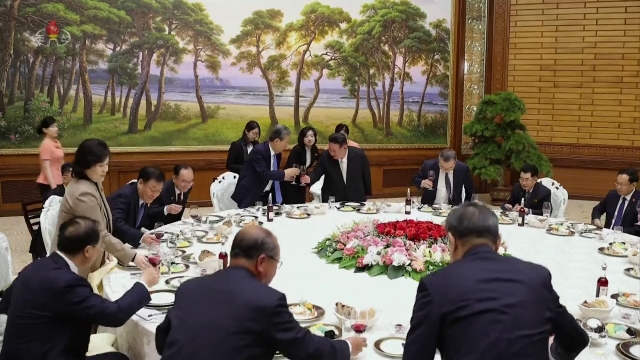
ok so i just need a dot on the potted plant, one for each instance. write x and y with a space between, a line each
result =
500 141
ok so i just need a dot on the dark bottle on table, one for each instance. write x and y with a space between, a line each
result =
407 203
602 288
224 258
269 209
522 213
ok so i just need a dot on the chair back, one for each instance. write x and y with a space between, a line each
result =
49 220
132 181
221 190
31 212
559 197
316 190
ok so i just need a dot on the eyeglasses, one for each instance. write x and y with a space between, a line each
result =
526 179
276 260
624 185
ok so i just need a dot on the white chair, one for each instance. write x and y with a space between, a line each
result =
221 190
316 190
5 276
49 220
132 181
559 197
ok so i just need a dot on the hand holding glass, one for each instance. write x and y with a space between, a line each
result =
194 213
431 175
295 166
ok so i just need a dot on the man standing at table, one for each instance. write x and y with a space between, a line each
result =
261 174
501 307
347 175
168 207
620 205
528 188
234 314
443 180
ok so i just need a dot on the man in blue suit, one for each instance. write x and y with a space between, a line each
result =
51 309
260 175
487 306
130 207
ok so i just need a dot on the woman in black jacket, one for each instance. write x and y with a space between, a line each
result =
305 153
240 149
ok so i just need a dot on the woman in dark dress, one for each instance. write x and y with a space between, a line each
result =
240 149
305 153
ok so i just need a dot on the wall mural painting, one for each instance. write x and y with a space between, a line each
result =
172 73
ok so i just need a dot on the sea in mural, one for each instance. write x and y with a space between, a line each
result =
162 73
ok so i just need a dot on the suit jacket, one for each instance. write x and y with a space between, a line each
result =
358 185
509 301
237 155
608 207
51 311
86 198
294 193
167 197
125 204
255 175
461 176
208 322
540 194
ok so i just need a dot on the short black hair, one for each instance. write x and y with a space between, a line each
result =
303 134
529 169
89 153
76 234
66 167
447 155
338 138
342 128
632 173
249 244
178 168
45 123
473 221
250 126
151 173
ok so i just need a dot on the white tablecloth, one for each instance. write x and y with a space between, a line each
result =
573 261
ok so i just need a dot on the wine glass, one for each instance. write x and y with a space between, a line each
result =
166 256
194 213
159 234
154 255
359 322
474 198
332 202
415 202
617 231
431 175
258 209
546 209
303 172
295 166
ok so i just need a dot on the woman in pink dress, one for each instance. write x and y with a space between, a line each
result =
343 128
51 158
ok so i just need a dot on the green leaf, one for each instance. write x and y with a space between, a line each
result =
376 270
336 257
360 269
348 263
395 272
418 275
323 253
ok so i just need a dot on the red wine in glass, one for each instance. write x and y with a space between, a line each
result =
159 235
359 328
154 260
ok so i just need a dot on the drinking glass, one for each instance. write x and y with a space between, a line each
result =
166 256
159 234
332 202
295 166
359 321
638 211
194 213
617 231
303 172
431 175
474 198
546 210
258 208
415 202
154 255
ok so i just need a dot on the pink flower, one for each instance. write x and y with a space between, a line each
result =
397 250
397 243
360 262
387 260
417 265
340 246
348 251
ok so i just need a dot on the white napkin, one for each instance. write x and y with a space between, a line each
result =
120 282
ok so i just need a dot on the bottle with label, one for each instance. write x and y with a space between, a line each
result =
407 203
522 213
224 258
270 213
602 288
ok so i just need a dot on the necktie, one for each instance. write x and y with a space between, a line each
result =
618 219
447 185
343 169
140 214
179 202
276 184
526 196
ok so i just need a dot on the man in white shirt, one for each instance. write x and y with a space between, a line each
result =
620 205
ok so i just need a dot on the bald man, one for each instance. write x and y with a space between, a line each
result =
207 323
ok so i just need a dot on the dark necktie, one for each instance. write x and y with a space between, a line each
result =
526 196
140 214
276 184
179 202
447 185
618 219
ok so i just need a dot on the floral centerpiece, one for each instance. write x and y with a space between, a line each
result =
403 248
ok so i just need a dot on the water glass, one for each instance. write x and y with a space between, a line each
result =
258 208
415 202
166 256
295 166
332 202
617 231
474 198
546 210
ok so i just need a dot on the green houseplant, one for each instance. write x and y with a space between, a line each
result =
500 141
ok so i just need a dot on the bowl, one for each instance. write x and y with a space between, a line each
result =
634 256
222 230
209 265
370 322
538 222
598 313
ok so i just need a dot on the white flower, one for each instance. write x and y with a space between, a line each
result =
500 250
353 243
374 250
400 260
372 259
437 256
446 257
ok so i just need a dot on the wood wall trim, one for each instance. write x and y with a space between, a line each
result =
457 114
499 29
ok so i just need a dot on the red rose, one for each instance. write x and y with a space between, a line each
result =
389 231
401 227
399 233
411 234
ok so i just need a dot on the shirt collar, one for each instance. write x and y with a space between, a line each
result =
628 197
344 159
140 202
72 266
178 192
273 153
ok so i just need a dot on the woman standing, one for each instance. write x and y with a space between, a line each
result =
85 196
343 128
304 153
240 149
51 158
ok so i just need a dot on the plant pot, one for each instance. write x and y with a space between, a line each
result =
499 195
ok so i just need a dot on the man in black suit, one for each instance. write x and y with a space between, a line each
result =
130 207
206 321
260 175
169 206
442 180
51 309
620 205
487 306
347 175
528 188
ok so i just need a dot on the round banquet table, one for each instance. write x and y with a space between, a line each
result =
573 261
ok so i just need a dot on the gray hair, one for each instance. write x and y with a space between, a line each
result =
279 132
447 155
253 241
472 221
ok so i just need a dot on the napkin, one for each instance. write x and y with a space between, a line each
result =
148 314
95 278
101 344
120 282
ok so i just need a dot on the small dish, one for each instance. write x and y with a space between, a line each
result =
162 298
215 239
306 312
329 331
298 215
627 300
633 272
391 346
175 281
353 204
181 244
629 349
175 268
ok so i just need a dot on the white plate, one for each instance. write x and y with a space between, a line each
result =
391 346
635 350
162 298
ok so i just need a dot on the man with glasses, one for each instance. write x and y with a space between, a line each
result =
235 314
169 206
620 205
528 188
443 180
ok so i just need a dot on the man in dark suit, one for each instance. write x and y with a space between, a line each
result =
51 309
442 180
169 206
260 175
487 306
620 205
528 188
347 175
207 323
130 207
